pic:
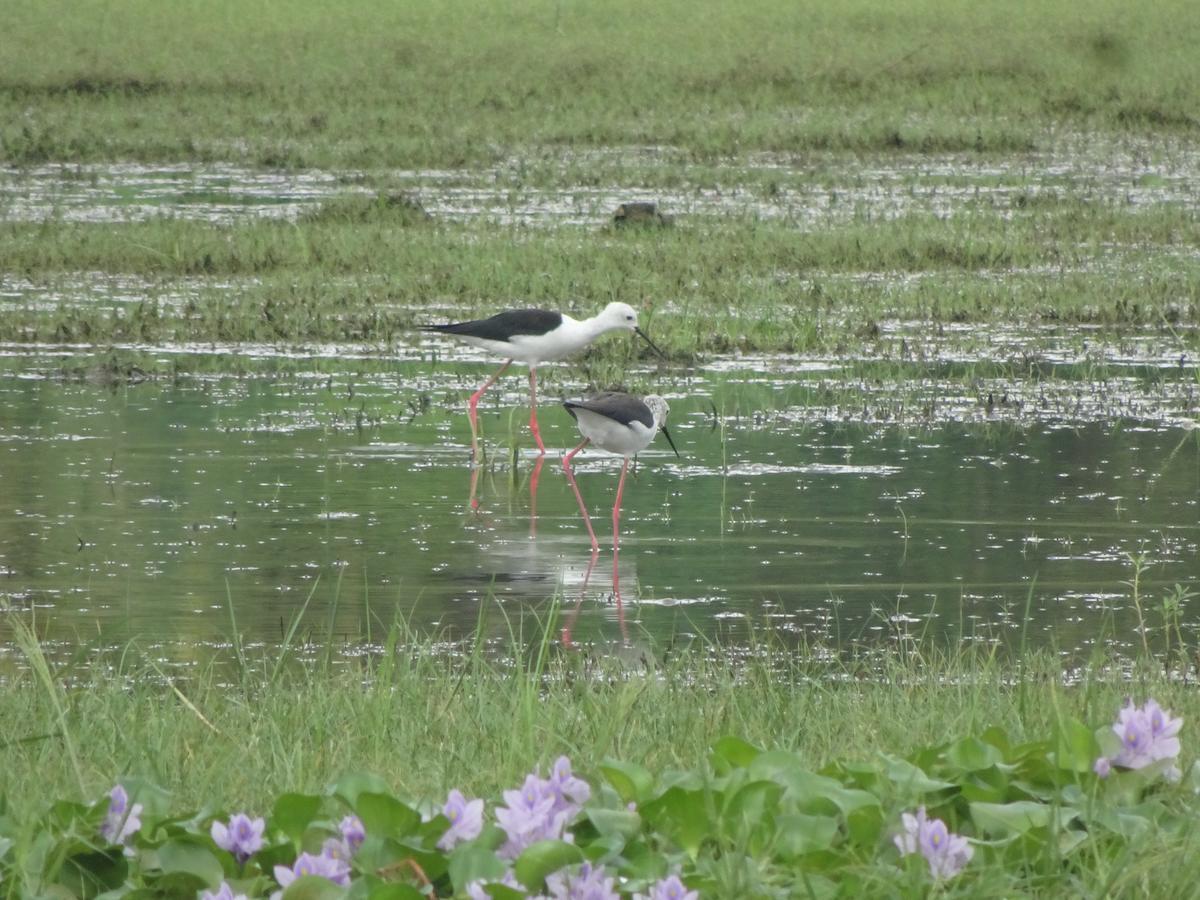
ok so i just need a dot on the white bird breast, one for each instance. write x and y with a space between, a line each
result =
612 436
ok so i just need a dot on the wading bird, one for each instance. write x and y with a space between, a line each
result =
534 336
621 424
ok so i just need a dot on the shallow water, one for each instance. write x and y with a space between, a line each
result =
584 188
153 510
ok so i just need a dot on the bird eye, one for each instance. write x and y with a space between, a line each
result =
629 318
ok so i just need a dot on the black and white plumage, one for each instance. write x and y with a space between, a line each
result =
534 336
622 424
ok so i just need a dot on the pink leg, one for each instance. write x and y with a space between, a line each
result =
533 425
616 519
474 402
566 464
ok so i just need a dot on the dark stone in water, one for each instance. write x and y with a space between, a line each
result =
641 213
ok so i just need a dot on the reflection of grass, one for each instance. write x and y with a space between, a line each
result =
402 85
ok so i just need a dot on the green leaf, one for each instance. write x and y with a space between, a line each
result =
93 872
470 862
540 859
176 886
910 778
394 891
752 803
621 822
1076 749
681 815
313 887
293 812
384 815
798 834
1019 817
732 753
349 786
192 858
971 755
632 782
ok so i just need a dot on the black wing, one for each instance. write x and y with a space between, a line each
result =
504 326
621 408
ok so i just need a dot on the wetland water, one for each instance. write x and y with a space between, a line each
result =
146 509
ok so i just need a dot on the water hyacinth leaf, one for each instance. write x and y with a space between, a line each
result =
394 891
972 755
752 803
818 794
348 787
384 815
504 892
293 813
798 834
175 886
632 782
432 862
998 738
909 778
622 823
90 873
313 887
471 862
865 824
1076 748
732 753
194 859
1124 822
681 815
1019 817
540 859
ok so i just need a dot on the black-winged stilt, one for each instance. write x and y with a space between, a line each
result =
622 424
534 336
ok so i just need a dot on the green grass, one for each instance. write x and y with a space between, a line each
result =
404 84
238 735
425 720
707 286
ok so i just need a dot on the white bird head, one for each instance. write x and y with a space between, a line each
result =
659 409
623 316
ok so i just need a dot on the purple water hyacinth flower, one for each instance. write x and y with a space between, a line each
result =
542 808
243 836
529 817
591 883
353 832
330 867
670 888
224 892
465 818
1147 734
945 852
567 789
121 821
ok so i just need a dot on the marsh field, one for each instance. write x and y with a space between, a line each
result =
928 294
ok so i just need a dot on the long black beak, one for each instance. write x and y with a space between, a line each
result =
646 338
667 435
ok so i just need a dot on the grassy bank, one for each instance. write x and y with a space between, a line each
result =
308 84
423 721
